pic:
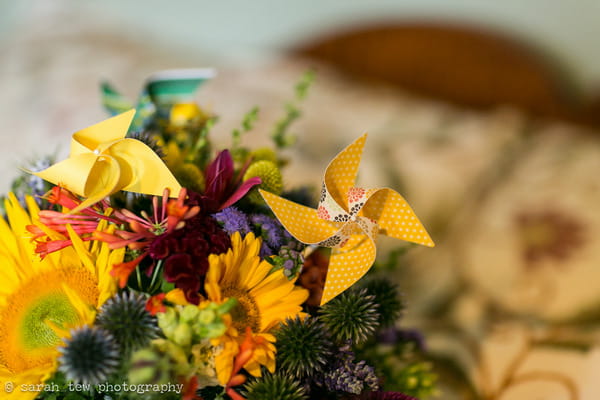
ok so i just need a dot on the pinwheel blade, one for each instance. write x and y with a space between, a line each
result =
113 101
103 132
395 217
301 222
347 265
340 174
72 173
102 181
142 170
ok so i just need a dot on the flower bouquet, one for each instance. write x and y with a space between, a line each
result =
148 265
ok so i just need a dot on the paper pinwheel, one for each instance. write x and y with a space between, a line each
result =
102 161
348 219
161 91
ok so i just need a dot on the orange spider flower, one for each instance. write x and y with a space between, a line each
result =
84 223
171 215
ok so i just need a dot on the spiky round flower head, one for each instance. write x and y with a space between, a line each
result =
189 176
264 153
275 387
89 356
303 347
126 318
353 316
387 299
269 174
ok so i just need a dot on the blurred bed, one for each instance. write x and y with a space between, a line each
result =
485 136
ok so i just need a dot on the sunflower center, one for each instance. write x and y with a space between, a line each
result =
32 312
36 326
246 312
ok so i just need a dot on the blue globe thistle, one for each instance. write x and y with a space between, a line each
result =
387 298
233 220
352 316
29 184
125 317
89 356
274 387
303 347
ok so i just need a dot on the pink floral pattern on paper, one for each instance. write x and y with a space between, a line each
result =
323 213
356 194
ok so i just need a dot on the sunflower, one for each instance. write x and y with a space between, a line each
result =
264 299
42 299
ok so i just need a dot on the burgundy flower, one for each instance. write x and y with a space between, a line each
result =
186 252
223 187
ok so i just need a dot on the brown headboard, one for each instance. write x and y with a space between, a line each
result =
464 65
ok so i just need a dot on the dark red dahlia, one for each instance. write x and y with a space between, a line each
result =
185 253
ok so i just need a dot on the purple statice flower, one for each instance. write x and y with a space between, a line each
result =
348 376
271 231
233 220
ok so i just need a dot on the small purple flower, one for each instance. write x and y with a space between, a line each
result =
271 232
233 220
348 376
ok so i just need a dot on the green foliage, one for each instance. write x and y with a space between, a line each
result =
281 137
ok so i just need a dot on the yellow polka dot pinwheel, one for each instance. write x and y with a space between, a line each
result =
103 161
348 219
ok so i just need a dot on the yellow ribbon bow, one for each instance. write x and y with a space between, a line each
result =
348 219
102 162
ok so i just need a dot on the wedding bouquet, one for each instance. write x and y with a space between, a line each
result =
147 264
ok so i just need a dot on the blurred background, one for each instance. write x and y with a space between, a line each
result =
484 115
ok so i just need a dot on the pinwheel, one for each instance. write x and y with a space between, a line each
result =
162 90
349 219
102 161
